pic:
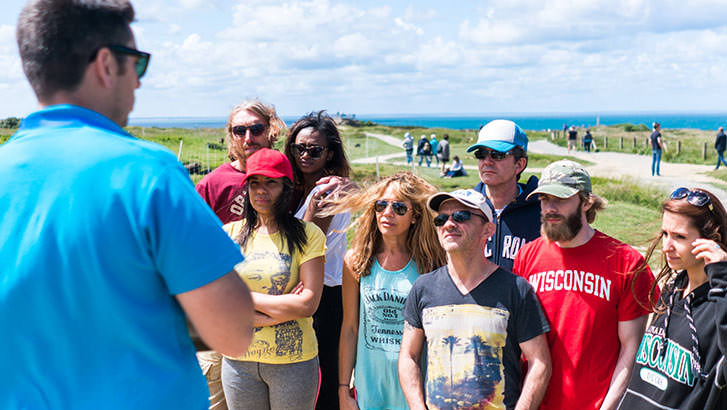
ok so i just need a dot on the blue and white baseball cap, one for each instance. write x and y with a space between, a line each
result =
501 135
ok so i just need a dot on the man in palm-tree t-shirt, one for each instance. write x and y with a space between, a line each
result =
475 318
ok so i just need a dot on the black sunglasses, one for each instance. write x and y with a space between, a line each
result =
255 129
495 155
315 151
400 208
696 198
457 216
142 58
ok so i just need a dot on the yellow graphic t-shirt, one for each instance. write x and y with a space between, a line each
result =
269 268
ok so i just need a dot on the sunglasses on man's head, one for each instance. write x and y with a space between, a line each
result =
696 198
457 216
482 153
256 130
142 58
315 151
399 208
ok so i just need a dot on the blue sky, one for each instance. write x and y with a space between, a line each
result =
426 57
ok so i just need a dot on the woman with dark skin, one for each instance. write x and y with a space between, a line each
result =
315 150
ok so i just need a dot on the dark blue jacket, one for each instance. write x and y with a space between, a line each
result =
518 224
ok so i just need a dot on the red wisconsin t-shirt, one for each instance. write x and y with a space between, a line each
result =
585 291
222 190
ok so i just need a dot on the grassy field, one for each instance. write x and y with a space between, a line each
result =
632 215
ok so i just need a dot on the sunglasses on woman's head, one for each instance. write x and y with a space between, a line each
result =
457 216
696 198
315 151
256 130
400 208
482 153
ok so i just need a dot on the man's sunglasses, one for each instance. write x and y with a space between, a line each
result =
457 216
315 151
495 155
696 198
399 208
142 58
256 130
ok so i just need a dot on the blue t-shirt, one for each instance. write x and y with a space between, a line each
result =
99 231
380 326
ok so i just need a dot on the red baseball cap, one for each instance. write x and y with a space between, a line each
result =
268 162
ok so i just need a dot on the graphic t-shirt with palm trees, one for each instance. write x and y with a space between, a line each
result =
473 352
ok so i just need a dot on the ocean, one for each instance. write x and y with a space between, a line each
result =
710 121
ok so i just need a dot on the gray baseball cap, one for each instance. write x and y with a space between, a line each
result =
467 197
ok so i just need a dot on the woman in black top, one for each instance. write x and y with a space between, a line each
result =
681 361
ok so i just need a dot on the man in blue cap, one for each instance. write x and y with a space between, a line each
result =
501 152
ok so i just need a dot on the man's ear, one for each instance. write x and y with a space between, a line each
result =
520 165
103 68
489 231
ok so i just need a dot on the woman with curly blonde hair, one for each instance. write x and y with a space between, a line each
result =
395 242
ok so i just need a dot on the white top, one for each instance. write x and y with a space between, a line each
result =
335 242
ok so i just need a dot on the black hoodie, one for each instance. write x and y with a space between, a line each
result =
518 224
669 380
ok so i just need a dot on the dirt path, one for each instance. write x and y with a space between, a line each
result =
605 164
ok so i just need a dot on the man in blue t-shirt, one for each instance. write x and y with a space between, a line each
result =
105 244
476 320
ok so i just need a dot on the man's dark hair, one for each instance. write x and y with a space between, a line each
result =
517 153
324 125
58 38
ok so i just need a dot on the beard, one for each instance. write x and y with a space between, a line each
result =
565 229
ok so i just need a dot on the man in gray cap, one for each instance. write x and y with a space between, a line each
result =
501 151
475 317
584 280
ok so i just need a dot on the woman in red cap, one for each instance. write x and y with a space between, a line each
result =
283 268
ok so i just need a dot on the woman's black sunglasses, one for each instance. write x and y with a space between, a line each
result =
482 153
315 151
255 129
457 216
400 208
696 198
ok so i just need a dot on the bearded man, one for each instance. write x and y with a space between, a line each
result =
584 280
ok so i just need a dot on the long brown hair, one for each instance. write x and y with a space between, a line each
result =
711 222
421 240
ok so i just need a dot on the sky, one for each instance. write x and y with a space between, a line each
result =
416 57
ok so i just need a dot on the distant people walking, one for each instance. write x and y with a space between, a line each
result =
587 140
424 150
572 139
408 145
394 244
720 143
656 148
443 151
435 145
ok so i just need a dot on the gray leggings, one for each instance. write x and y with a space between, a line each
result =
262 386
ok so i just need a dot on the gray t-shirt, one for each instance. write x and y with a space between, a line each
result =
473 352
